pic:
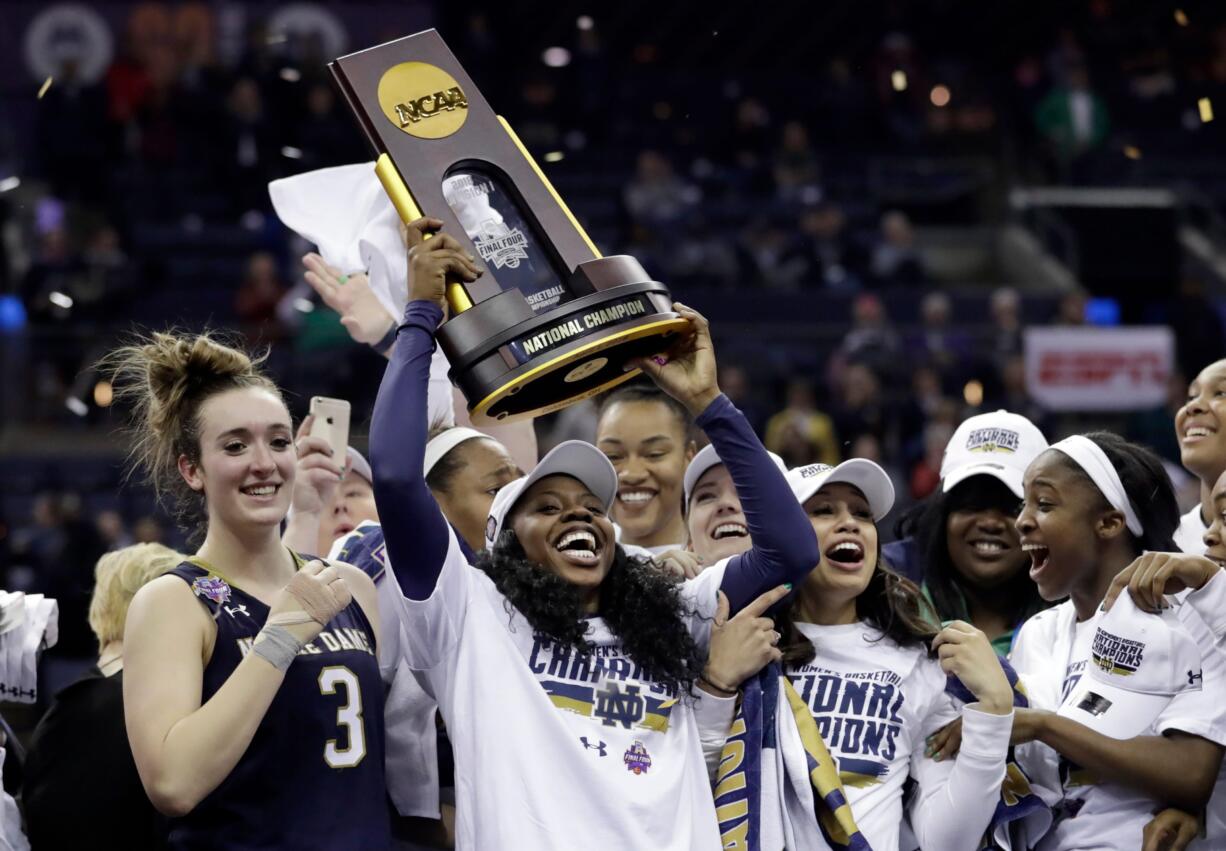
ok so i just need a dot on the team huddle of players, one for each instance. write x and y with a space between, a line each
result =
639 644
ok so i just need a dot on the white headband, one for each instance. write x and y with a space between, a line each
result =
443 443
1091 458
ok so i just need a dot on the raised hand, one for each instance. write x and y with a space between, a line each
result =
686 371
318 473
1155 574
432 261
745 644
966 653
362 314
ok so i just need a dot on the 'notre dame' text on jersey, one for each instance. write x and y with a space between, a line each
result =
312 777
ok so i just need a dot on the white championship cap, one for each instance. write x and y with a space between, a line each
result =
359 464
1138 662
704 460
998 444
575 458
865 475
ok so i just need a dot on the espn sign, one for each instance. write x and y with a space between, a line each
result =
1099 369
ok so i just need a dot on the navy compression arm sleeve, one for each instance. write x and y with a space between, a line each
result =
784 543
413 526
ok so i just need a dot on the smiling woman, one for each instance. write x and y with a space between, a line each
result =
1200 426
973 566
554 649
220 654
1093 504
648 436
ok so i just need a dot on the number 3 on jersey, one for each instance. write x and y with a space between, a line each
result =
349 716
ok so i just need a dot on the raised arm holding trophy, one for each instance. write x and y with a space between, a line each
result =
552 322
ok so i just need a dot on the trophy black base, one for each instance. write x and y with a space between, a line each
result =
519 365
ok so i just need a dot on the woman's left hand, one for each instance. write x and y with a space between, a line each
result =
687 371
1170 830
966 653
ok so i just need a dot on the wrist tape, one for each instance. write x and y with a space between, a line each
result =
277 645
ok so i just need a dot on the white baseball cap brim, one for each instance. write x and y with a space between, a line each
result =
704 460
575 458
1124 701
358 464
1111 710
862 474
1010 476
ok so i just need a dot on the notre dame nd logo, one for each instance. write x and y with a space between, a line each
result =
423 100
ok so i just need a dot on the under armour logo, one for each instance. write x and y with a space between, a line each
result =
1194 678
597 747
235 611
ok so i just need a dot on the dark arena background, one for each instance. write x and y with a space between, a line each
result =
895 215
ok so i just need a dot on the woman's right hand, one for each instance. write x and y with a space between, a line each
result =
744 644
319 591
362 314
432 261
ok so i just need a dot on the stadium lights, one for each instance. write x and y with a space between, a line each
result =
104 394
585 22
973 393
939 96
60 299
898 79
556 57
554 157
10 183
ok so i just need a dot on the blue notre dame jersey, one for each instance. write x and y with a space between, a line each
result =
312 777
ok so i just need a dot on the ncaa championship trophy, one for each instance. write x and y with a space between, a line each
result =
551 322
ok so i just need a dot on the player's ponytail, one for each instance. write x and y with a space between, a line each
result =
164 378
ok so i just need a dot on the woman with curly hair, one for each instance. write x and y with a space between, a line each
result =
563 668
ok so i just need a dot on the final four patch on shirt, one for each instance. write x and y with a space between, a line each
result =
212 588
637 759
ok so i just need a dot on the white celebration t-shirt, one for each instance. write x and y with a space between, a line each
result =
556 748
1190 536
875 702
1051 654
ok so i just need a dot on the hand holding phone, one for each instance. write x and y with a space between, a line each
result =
332 424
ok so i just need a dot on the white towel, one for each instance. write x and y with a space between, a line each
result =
345 212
